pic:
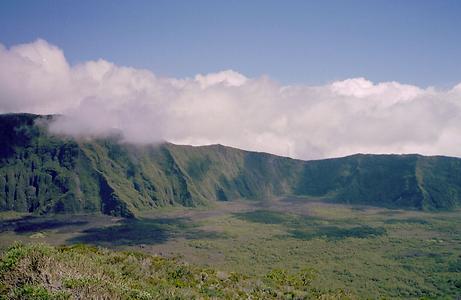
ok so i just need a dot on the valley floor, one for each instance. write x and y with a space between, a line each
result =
371 252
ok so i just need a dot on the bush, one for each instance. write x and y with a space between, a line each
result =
82 272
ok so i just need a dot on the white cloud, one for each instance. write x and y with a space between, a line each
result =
340 118
362 88
229 78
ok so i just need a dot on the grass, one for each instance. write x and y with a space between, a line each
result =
366 251
82 272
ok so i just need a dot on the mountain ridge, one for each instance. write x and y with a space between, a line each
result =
44 173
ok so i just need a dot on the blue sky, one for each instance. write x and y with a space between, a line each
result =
309 42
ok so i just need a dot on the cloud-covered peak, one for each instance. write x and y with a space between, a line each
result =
344 117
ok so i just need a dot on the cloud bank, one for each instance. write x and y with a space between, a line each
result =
308 122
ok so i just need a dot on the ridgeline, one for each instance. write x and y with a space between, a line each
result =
44 173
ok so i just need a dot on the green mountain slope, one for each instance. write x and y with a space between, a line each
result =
44 173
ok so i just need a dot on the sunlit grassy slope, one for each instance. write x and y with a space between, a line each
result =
44 173
83 272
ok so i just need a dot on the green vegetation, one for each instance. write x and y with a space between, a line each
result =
301 228
396 181
221 208
48 174
44 174
367 251
82 272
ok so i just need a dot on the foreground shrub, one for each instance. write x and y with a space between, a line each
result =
83 272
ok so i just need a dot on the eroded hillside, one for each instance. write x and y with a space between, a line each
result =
43 173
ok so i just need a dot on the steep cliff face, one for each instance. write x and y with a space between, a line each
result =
44 173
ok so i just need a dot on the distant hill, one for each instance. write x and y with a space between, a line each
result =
43 173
